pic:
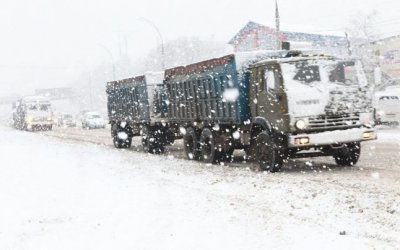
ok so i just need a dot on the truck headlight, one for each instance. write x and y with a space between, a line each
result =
300 124
49 118
29 119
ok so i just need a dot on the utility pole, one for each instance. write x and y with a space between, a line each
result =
277 24
348 44
112 59
90 90
161 39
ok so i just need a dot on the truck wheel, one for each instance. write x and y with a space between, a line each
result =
191 144
209 151
120 142
348 155
150 143
227 155
268 157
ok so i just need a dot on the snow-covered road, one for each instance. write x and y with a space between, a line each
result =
62 193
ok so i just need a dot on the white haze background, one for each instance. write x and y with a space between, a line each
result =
48 43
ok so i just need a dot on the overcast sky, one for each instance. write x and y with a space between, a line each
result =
47 43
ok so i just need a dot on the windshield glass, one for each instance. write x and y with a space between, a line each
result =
389 100
38 107
93 116
309 72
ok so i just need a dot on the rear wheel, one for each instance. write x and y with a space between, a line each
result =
121 137
210 152
150 142
191 144
227 155
268 156
348 155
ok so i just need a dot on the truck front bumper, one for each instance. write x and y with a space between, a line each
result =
332 137
37 124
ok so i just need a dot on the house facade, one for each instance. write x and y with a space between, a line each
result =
255 36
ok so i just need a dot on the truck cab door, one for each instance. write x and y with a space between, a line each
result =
270 97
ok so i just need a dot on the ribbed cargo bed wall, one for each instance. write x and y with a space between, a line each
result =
196 92
127 100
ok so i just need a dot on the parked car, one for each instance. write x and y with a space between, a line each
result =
93 120
66 120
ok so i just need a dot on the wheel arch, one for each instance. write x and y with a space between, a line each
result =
261 124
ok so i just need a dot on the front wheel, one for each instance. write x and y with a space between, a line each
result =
348 155
268 156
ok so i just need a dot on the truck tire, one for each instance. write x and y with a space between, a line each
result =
150 142
210 153
118 142
191 144
348 155
227 155
268 157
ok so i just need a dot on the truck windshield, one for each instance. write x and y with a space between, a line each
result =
389 100
39 107
93 116
309 72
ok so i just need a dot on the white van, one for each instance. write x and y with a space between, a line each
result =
387 109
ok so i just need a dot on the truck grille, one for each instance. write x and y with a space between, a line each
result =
333 122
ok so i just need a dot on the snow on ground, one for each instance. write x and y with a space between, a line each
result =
387 134
77 192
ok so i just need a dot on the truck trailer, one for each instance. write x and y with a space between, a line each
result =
275 105
137 106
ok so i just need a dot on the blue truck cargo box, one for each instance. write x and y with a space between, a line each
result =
132 99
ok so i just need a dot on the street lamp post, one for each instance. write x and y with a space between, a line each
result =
160 36
112 59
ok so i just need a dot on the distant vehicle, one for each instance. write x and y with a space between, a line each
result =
33 112
93 120
274 105
66 120
387 109
79 117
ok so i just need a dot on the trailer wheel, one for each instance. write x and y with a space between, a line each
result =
227 155
209 150
268 157
348 155
120 142
191 144
150 142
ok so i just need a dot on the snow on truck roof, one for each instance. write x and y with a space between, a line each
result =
29 99
244 60
151 78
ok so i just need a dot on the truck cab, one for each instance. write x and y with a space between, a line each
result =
33 112
309 106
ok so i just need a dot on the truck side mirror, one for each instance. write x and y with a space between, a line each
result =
285 45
